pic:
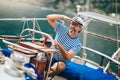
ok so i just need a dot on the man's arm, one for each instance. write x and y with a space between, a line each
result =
52 20
66 54
53 17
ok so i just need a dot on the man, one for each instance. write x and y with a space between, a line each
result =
66 40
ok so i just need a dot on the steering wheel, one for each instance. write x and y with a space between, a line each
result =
46 43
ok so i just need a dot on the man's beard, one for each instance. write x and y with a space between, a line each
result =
72 31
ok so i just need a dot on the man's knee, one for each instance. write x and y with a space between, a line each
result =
60 66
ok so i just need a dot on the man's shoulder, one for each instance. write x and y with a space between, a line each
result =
61 26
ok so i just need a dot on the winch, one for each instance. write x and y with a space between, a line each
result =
14 66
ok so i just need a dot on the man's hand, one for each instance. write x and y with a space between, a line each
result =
67 19
55 43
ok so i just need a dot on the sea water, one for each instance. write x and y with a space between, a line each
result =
15 27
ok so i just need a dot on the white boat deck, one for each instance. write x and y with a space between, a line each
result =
5 76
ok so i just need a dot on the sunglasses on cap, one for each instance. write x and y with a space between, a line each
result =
78 20
74 23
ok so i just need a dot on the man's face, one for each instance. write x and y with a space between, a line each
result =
75 27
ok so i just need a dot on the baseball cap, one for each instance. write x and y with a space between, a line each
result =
78 20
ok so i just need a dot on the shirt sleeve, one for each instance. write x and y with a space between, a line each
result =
76 49
59 27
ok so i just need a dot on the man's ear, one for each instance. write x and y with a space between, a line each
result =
80 30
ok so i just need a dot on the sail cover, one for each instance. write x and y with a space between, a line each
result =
75 71
100 17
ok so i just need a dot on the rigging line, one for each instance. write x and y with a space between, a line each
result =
28 27
37 25
117 30
15 19
34 24
103 37
26 35
117 26
23 24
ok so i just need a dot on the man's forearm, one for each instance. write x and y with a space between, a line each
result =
58 16
55 16
65 53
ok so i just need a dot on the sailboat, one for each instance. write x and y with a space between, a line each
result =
27 48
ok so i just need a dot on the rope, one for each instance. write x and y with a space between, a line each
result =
117 26
37 25
103 37
27 35
19 19
116 8
23 24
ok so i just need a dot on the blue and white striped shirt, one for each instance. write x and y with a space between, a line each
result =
65 40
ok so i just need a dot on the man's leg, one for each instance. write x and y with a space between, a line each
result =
57 68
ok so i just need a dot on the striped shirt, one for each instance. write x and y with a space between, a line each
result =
65 40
